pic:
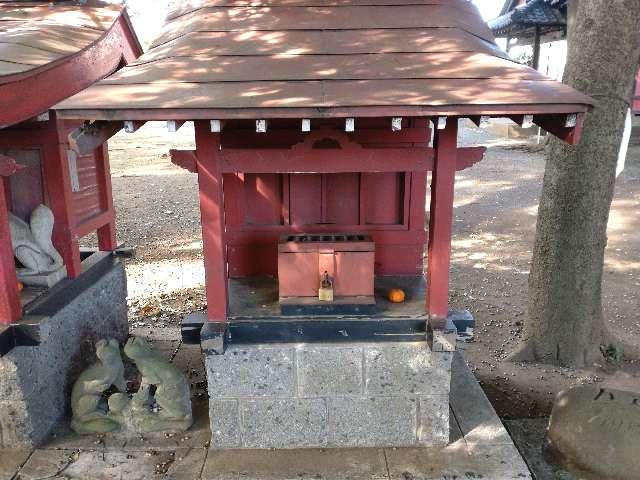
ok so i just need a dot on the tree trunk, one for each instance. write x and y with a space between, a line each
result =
565 324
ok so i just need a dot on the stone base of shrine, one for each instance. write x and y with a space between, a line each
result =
334 395
62 325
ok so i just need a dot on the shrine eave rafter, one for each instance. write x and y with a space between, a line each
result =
154 114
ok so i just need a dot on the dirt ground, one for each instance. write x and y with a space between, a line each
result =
494 227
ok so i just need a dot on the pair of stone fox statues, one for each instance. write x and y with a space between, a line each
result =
168 409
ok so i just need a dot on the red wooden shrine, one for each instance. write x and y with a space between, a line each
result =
77 45
318 119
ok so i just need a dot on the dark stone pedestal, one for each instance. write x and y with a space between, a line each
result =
36 380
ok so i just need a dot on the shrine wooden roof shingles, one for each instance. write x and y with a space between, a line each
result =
306 58
34 35
50 51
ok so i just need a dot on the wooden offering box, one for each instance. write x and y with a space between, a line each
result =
348 260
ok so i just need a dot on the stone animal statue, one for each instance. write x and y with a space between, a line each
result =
32 244
89 412
172 395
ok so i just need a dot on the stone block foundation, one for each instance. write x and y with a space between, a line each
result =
385 394
35 382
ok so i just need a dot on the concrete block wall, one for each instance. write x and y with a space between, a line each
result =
329 395
35 382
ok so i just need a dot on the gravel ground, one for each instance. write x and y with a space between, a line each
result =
494 227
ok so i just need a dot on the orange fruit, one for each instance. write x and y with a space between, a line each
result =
396 295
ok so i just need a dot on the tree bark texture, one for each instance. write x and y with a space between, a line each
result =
565 324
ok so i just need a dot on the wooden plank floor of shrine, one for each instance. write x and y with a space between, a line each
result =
480 447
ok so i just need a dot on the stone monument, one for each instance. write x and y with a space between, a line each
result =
595 432
42 264
168 409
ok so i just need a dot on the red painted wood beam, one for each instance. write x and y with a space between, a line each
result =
184 159
88 138
93 224
242 138
469 156
107 241
212 215
419 159
325 161
57 181
440 222
25 95
557 125
10 309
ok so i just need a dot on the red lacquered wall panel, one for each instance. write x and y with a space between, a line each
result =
305 197
85 187
383 198
263 198
25 186
341 198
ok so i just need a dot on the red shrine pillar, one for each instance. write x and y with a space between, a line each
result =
107 241
10 309
57 180
440 222
212 215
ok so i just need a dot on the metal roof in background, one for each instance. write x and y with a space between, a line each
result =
239 59
522 19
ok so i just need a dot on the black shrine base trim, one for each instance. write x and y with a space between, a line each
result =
216 336
341 306
25 333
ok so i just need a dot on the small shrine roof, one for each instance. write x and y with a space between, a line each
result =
52 50
36 34
306 58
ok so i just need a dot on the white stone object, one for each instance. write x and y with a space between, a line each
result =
32 246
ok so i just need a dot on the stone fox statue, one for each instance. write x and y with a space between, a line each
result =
172 394
32 242
89 416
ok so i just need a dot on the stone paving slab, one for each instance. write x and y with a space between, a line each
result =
46 464
428 463
181 464
475 414
312 464
455 433
11 460
66 439
198 436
